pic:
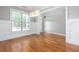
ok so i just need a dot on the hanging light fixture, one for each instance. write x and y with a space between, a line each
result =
35 13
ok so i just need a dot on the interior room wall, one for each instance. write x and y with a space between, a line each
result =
55 21
5 25
4 13
72 23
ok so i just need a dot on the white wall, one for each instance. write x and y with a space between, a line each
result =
6 33
39 24
72 25
55 21
5 26
4 13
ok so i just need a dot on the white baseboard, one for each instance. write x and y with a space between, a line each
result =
13 37
57 33
72 43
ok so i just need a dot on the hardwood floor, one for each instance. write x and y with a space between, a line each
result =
36 43
72 48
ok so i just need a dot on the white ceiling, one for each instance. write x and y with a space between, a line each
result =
33 8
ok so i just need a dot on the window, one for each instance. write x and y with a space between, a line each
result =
25 22
20 20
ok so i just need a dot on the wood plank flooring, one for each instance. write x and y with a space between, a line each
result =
44 42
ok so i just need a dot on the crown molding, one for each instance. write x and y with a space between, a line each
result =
49 9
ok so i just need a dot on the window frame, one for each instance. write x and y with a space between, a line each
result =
22 12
